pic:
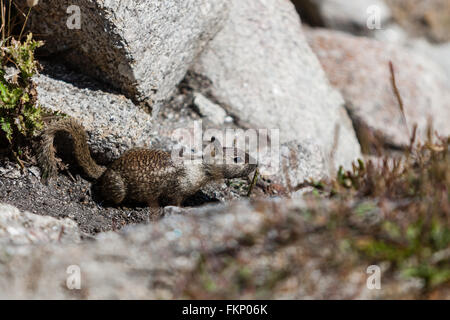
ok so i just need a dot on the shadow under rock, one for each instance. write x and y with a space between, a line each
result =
55 67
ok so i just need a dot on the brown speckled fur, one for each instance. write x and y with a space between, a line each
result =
139 175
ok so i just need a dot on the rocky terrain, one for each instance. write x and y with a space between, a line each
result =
137 74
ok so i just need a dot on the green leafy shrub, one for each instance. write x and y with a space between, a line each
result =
413 195
20 115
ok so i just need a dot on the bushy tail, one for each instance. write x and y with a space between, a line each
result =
46 151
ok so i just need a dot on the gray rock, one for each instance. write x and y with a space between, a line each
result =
284 249
359 67
142 47
392 33
297 164
24 228
114 122
150 259
209 109
123 125
265 75
302 163
439 53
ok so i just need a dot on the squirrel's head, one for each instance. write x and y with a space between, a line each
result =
229 163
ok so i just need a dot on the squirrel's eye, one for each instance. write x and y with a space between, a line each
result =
237 159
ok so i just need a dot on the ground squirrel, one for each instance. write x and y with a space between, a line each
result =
142 175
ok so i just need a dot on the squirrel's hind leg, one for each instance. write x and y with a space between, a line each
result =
112 187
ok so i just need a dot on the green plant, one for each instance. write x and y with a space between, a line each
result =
20 114
413 195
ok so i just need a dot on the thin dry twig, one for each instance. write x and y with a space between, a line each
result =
398 96
252 184
26 20
3 26
334 147
9 18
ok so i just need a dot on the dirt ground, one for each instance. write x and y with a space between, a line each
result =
72 196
